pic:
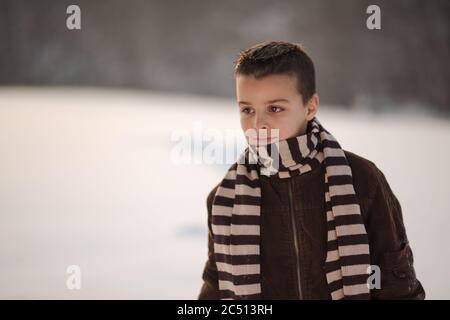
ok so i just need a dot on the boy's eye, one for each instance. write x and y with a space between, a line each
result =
245 110
275 109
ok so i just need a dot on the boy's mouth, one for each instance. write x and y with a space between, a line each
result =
260 140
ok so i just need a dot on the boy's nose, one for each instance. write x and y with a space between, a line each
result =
261 123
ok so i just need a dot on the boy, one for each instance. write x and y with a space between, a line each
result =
317 226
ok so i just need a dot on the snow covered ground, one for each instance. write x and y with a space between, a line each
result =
87 179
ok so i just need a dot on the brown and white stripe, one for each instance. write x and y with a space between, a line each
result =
236 215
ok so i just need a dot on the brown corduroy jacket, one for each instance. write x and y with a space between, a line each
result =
294 236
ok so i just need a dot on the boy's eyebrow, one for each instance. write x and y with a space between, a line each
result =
270 101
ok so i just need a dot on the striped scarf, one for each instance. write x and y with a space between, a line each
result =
236 215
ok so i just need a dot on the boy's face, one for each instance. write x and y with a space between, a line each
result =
273 102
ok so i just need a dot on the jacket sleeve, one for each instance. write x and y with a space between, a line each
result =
389 246
210 287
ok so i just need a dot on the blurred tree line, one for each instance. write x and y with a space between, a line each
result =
189 46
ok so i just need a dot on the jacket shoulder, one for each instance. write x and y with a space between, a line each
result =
210 198
366 175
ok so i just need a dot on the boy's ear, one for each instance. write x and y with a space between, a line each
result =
312 106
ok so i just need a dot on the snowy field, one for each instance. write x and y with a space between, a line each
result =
87 179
